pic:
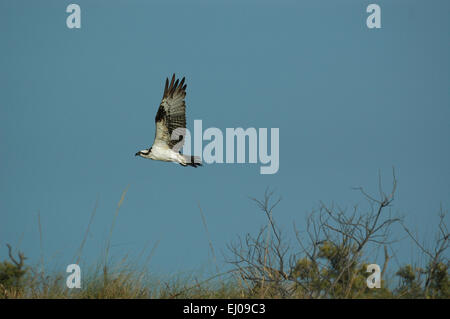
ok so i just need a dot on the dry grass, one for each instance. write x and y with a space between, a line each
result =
123 278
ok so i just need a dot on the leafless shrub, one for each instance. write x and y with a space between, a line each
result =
327 263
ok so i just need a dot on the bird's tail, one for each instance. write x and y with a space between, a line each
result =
192 160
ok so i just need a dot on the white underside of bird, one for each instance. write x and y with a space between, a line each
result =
165 154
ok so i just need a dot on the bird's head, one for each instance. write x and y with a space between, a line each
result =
144 153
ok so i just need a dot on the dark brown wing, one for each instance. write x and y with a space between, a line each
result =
171 116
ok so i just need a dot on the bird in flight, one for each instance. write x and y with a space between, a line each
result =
170 123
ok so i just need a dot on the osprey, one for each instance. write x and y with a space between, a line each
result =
170 130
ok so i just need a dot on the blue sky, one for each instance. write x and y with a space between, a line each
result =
75 106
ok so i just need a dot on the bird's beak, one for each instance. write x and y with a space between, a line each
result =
137 154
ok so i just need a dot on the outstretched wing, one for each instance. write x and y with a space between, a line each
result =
170 119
